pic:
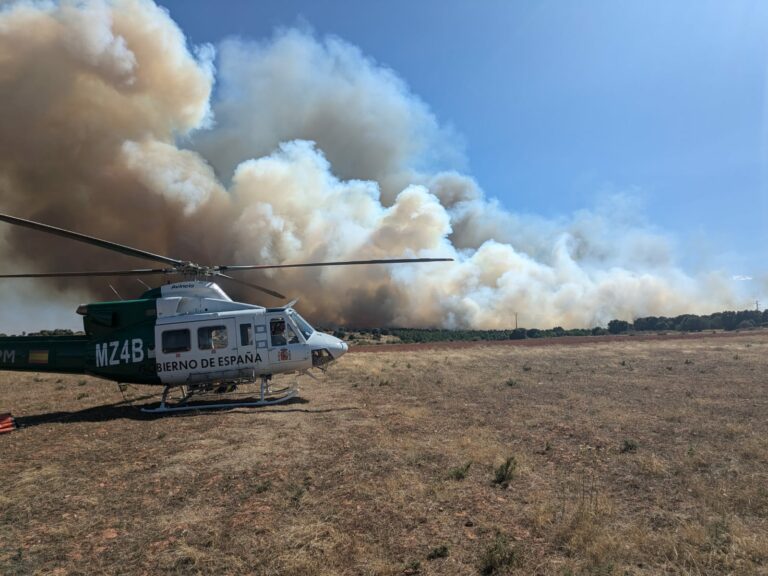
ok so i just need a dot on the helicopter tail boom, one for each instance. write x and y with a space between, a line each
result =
61 354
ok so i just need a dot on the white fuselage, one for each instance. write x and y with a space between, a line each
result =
201 336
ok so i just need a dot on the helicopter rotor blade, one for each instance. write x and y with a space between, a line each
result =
141 272
345 263
115 247
255 286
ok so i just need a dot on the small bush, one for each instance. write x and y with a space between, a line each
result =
719 536
460 472
512 383
497 556
296 493
505 472
628 445
439 552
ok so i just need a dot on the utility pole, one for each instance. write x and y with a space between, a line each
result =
515 320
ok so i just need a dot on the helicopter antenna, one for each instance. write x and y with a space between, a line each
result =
140 281
115 291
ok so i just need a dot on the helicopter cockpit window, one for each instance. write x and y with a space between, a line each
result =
302 324
212 337
176 341
281 332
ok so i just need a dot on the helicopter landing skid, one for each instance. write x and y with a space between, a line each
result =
267 397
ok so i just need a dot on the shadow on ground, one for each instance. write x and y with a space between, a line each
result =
122 410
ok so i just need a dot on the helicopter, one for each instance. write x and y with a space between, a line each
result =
187 336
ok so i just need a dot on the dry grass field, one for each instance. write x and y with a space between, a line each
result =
624 457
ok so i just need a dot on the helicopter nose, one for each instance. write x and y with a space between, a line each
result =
340 346
326 348
336 347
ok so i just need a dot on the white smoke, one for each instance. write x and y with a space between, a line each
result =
310 151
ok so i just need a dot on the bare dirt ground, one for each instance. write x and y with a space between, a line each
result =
629 457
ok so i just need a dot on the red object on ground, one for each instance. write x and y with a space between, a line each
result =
7 423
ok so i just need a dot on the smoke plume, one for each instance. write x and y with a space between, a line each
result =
308 151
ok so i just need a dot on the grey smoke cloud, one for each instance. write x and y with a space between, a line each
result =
309 151
362 116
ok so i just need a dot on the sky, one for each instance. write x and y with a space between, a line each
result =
559 104
579 162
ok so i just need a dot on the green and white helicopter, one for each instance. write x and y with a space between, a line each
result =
188 337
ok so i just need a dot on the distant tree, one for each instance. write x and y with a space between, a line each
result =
558 331
578 332
729 320
533 333
599 331
754 315
649 323
517 334
691 323
618 326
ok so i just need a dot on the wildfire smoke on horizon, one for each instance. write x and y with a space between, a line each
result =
307 151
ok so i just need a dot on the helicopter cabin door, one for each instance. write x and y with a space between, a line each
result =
199 351
287 349
252 342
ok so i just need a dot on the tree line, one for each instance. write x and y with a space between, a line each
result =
727 320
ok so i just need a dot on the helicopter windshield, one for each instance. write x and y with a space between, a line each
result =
301 324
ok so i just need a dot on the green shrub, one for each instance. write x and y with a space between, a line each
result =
460 472
498 556
628 445
504 473
439 552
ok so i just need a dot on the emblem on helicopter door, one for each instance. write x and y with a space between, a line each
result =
284 355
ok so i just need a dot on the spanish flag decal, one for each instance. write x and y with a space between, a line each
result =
38 356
